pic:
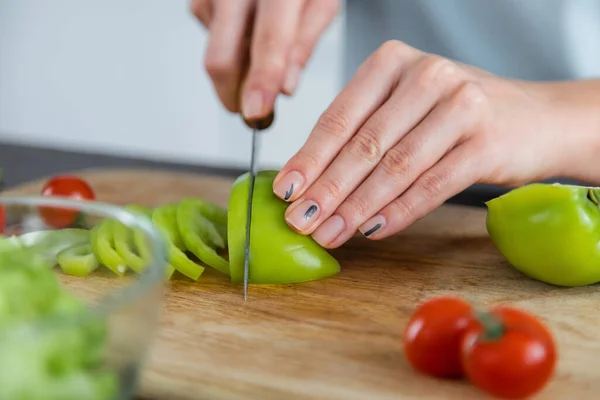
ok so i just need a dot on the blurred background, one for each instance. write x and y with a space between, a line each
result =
114 77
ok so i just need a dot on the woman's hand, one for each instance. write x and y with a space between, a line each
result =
278 36
411 130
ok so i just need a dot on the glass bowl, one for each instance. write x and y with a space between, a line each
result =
71 327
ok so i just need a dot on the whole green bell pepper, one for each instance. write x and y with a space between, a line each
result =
278 254
550 232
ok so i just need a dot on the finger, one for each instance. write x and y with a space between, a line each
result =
462 167
452 121
203 10
416 95
317 15
274 31
365 93
226 49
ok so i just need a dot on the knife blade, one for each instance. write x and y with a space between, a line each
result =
256 126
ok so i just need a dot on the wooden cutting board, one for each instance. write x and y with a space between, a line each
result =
341 338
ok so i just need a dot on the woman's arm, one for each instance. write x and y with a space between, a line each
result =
576 108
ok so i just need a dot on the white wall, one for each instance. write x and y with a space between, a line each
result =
127 77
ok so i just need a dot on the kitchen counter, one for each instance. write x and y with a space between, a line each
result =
23 163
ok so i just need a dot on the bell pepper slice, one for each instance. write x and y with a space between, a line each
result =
78 260
103 246
48 243
278 254
126 247
197 221
549 232
165 218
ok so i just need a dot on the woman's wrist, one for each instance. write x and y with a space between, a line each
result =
575 117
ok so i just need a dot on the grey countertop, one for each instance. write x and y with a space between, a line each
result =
22 163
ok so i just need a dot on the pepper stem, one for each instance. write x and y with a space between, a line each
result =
594 195
493 327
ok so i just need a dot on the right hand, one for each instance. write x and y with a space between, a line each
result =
282 35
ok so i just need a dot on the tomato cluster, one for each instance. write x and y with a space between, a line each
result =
64 186
504 351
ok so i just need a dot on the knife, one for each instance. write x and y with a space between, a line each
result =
256 126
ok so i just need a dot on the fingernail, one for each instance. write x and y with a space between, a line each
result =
329 230
252 104
372 225
290 183
291 78
303 214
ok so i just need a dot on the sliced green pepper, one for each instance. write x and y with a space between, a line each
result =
165 218
549 232
78 260
48 243
278 254
126 247
103 246
198 221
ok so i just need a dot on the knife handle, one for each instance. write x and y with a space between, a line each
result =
261 123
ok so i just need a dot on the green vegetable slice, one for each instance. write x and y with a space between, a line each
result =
78 260
165 218
198 221
49 243
103 242
126 247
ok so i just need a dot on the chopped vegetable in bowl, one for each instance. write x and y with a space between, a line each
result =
66 339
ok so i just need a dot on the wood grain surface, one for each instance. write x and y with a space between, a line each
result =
341 338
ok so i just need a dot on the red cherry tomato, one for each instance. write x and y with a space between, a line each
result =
2 219
433 337
64 186
508 353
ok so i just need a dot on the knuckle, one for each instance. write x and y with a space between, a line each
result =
390 52
330 189
397 161
436 69
401 209
218 67
306 159
356 208
334 123
365 145
470 97
272 67
432 184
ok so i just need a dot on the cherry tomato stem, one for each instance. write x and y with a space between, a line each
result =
493 327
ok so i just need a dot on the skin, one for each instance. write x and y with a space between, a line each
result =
409 131
279 37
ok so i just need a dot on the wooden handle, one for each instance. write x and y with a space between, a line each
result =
261 123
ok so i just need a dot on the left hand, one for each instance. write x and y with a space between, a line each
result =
408 132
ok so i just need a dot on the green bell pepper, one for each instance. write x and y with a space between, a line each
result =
278 254
549 232
203 229
165 218
78 260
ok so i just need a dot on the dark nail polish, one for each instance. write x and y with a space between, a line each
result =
310 212
372 230
289 193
